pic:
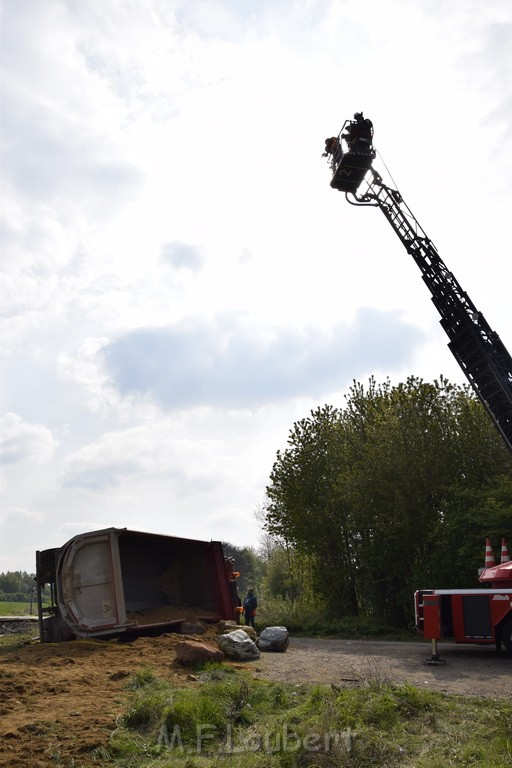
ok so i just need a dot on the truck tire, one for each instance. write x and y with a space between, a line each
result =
506 636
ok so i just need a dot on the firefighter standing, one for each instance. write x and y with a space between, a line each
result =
250 605
233 588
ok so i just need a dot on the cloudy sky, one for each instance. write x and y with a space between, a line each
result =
180 284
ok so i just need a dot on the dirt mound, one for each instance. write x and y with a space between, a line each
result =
60 701
167 614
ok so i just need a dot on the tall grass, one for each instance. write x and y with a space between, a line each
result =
307 616
230 720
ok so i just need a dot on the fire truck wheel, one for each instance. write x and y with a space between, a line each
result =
506 636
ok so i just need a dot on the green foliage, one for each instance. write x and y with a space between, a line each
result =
305 510
250 565
299 616
146 712
312 617
18 586
12 582
289 574
238 722
142 678
396 491
188 710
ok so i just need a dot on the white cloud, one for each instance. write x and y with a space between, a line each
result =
20 516
182 255
179 281
162 453
68 530
24 442
229 362
83 369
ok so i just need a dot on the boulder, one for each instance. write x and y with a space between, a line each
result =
189 653
238 645
273 639
226 625
250 631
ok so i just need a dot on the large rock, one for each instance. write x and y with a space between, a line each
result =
273 639
189 653
226 625
238 645
250 631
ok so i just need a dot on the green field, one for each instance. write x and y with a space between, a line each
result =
17 609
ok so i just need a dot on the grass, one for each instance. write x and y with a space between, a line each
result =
10 643
227 719
17 609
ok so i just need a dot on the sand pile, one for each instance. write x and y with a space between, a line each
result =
165 614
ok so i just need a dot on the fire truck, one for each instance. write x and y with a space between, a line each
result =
482 615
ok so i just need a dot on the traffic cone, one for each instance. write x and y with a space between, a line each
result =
489 557
505 557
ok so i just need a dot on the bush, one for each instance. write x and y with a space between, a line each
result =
311 617
298 615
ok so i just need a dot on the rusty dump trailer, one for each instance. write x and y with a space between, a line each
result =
117 582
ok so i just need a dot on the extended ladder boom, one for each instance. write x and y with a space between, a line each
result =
477 348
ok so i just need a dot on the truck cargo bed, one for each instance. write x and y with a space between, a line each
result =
115 580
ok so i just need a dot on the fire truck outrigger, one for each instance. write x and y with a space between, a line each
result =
471 615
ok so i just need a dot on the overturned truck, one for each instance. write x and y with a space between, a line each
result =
117 582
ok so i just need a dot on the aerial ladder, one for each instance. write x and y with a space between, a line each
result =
478 349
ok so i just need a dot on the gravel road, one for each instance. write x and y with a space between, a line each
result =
469 669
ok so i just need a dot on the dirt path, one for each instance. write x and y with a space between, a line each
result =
476 671
59 702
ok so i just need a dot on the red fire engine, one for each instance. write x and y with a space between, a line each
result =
482 616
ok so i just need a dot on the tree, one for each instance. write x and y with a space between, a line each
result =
306 510
11 582
374 491
288 574
267 544
250 566
16 586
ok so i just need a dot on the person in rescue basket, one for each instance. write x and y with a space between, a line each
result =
250 605
332 147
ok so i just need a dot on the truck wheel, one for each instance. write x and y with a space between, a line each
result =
506 636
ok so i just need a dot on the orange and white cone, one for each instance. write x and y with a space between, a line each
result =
505 557
490 562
